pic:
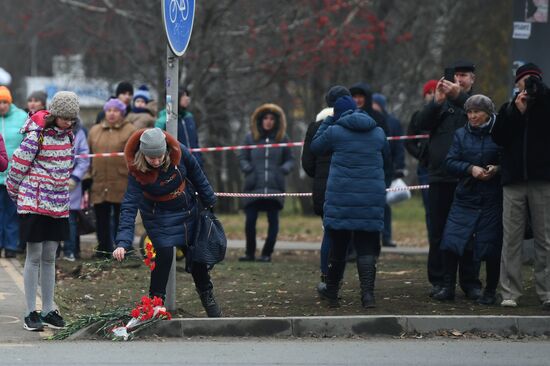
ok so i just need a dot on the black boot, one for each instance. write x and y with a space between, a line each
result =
335 274
209 303
366 268
321 286
447 292
489 297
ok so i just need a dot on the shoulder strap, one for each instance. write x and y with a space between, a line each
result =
40 141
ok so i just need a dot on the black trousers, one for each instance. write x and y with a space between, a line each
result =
441 195
365 242
440 199
163 264
272 209
104 227
468 273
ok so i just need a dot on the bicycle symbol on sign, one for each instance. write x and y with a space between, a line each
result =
181 6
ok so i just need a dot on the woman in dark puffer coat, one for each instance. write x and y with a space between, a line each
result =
355 195
474 224
265 171
161 184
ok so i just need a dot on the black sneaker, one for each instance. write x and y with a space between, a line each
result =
264 259
10 253
33 322
53 320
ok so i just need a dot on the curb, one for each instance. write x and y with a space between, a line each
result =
345 326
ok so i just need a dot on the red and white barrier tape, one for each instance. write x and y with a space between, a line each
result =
409 137
242 147
254 195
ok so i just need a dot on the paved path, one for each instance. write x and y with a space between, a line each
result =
12 304
282 245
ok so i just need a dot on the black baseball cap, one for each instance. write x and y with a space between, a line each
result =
464 66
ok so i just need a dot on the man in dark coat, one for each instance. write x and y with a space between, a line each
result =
379 102
522 129
442 117
418 148
362 95
317 167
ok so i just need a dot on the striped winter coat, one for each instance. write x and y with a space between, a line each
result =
38 180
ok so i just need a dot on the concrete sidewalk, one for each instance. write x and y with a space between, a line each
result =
91 239
12 304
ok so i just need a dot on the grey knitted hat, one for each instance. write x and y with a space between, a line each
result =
64 104
481 103
153 143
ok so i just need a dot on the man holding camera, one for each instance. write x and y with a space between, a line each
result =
522 128
442 117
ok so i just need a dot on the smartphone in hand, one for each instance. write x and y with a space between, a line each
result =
449 74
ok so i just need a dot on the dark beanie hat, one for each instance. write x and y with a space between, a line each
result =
334 93
528 69
124 87
342 105
380 99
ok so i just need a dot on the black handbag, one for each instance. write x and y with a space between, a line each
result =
210 243
86 221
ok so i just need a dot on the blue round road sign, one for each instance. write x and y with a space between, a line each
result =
178 16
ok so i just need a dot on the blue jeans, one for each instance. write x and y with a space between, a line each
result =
70 245
9 221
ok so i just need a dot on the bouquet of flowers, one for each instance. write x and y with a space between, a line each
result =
146 311
150 254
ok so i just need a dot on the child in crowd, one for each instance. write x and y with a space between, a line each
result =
38 181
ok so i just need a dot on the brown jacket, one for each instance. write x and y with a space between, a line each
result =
141 120
109 175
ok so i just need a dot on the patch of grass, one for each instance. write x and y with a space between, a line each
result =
285 287
409 228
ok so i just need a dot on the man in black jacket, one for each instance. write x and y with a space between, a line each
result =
362 95
522 128
379 102
442 117
317 167
418 148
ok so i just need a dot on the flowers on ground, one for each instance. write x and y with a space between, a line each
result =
146 311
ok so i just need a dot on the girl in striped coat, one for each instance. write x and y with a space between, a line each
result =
38 181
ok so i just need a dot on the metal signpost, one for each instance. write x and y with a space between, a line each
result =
177 16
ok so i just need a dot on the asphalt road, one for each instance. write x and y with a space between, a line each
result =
280 352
